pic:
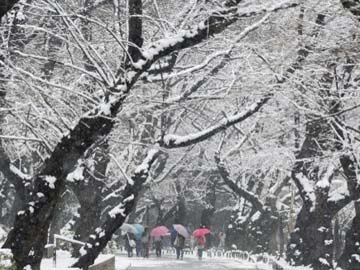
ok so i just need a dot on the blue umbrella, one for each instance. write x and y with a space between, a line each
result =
139 231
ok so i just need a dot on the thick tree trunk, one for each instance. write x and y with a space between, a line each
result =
350 258
311 242
117 216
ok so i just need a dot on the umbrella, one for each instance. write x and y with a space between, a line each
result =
159 231
129 228
200 232
181 230
139 231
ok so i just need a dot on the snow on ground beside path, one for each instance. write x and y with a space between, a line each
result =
64 261
170 263
167 262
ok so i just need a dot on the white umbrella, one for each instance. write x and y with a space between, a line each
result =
128 228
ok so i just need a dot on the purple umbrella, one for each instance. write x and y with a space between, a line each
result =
181 230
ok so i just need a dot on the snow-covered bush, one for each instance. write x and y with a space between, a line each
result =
6 261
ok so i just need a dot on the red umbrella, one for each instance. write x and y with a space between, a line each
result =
200 232
159 231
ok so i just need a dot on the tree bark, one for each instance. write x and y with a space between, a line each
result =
311 242
350 258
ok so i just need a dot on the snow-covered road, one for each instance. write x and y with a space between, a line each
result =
170 263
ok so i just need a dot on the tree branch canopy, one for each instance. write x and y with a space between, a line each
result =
250 197
50 181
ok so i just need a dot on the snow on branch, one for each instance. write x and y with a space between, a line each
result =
174 141
216 23
324 183
211 57
305 188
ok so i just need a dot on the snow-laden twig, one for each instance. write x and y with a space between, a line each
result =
128 179
20 138
174 141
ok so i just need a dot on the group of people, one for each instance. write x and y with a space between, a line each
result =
141 245
179 244
178 241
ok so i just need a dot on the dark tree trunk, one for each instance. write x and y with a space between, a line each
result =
281 237
350 258
210 200
117 216
180 214
311 242
90 192
337 239
6 5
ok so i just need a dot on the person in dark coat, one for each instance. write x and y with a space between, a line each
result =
179 244
158 245
145 240
129 245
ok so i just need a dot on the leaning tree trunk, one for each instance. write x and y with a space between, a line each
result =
350 258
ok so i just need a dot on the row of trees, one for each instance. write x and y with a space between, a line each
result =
93 93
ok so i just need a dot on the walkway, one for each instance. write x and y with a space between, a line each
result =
189 263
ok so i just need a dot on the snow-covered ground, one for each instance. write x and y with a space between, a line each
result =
64 261
167 262
189 263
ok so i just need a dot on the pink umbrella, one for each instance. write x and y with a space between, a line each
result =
159 231
181 230
200 232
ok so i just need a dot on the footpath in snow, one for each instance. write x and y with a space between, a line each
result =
167 262
188 263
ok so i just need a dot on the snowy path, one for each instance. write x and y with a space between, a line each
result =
167 262
170 263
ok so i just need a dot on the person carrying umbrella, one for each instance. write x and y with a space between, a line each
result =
157 233
129 244
200 240
179 242
145 240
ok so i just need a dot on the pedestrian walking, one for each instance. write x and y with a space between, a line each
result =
200 243
145 240
179 244
222 237
158 245
129 245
